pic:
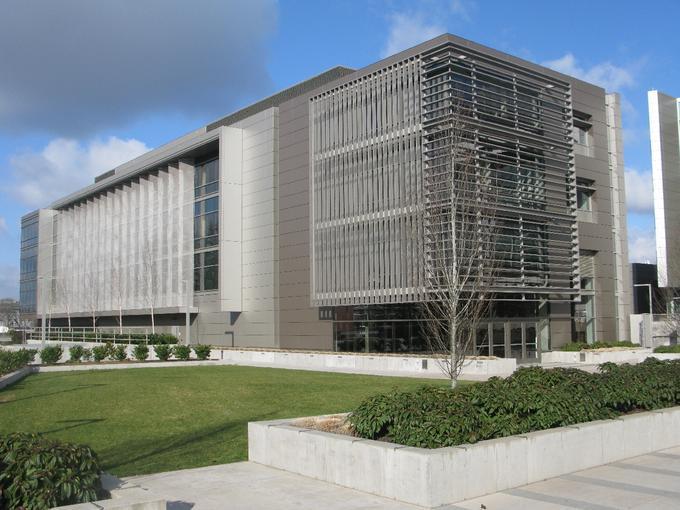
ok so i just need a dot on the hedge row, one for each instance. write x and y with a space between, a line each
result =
38 473
531 399
14 360
133 338
668 349
580 346
140 352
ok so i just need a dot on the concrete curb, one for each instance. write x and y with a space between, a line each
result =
442 476
15 376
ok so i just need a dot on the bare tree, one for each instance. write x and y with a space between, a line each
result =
65 297
93 294
9 313
460 237
117 288
149 281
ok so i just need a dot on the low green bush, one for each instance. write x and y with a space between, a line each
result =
202 351
76 353
38 473
162 339
14 360
579 346
140 352
120 353
163 351
87 354
182 352
668 348
51 354
531 399
100 353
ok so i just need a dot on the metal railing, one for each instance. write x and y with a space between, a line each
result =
129 334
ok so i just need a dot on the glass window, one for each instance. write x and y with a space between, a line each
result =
584 199
206 178
206 271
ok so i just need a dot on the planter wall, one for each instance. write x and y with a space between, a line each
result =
442 476
366 363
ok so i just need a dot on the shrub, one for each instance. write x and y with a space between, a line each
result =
163 351
51 354
182 352
529 400
120 353
76 353
668 349
140 352
38 473
17 337
579 346
202 351
100 353
14 360
162 339
87 354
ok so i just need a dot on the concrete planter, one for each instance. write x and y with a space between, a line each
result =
367 363
597 357
442 476
15 376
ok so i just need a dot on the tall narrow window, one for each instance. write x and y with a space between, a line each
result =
206 225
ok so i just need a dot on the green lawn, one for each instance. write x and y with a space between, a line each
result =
160 419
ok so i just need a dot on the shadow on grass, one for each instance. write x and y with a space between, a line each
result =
188 444
41 395
75 424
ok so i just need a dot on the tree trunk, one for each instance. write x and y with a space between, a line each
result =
453 369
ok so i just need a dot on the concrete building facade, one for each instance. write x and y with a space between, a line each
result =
301 221
664 131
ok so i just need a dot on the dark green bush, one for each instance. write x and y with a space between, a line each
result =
140 352
182 352
100 353
14 360
87 354
51 354
531 399
76 353
16 336
579 346
202 351
668 348
120 353
163 351
162 339
38 473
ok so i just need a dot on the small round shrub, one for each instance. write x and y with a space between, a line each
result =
100 353
163 351
202 351
140 352
182 352
120 353
51 354
76 353
87 354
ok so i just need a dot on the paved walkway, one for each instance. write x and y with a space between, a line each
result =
647 482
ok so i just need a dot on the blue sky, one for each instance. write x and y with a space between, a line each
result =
88 85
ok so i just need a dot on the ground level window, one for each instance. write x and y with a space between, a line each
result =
206 271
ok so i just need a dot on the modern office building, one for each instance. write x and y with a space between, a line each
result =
664 129
302 221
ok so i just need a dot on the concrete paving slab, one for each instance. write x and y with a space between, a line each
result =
647 482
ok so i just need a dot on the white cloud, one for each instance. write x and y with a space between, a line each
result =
3 226
639 192
641 246
65 165
408 29
605 74
462 9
